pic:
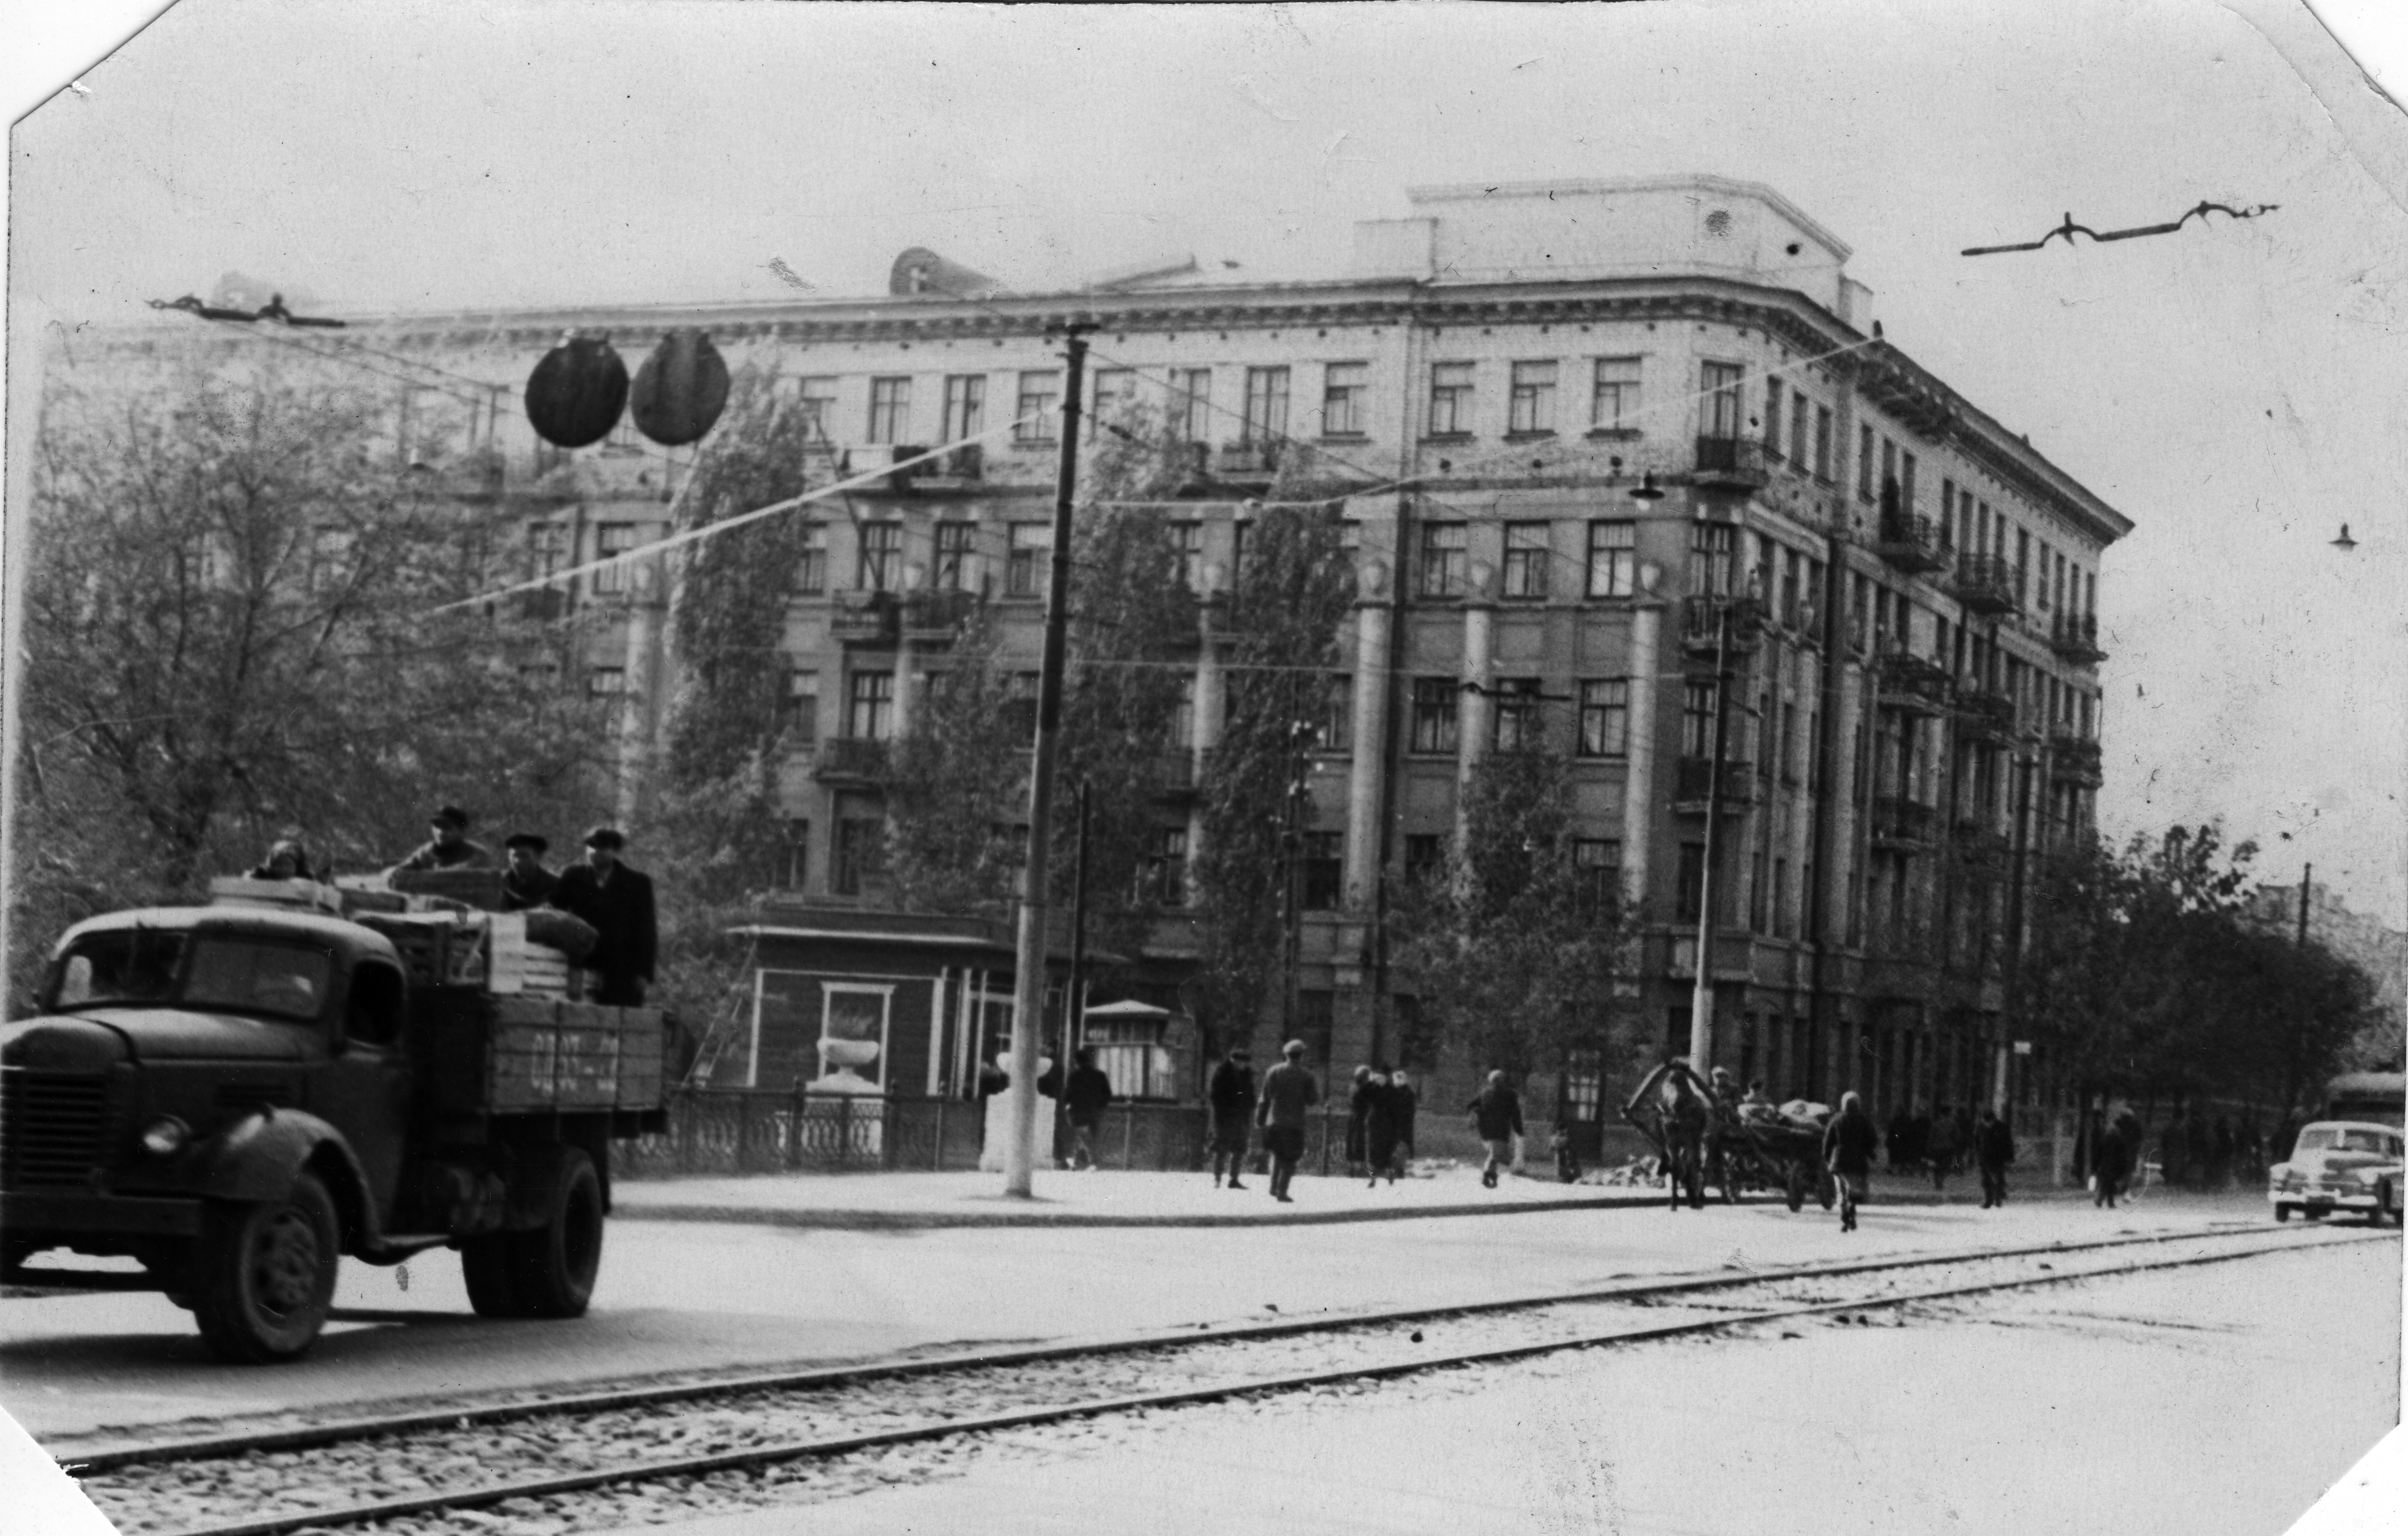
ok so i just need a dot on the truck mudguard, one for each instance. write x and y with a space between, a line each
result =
259 1156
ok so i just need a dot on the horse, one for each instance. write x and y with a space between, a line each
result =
1683 1116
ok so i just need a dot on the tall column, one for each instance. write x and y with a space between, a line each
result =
1472 714
1639 777
1370 734
907 657
1211 697
644 681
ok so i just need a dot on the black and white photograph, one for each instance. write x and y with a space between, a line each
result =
914 768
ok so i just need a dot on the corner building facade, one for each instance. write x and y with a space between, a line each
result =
1914 712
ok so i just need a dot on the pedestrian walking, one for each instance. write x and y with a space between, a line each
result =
995 1111
1231 1095
1404 1102
1380 1130
1994 1148
1358 1115
1084 1097
1941 1148
1848 1145
1497 1118
2118 1149
1288 1091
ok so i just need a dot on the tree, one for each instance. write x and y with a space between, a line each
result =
1513 948
238 626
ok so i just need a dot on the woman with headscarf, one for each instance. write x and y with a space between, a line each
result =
1380 1127
1848 1145
285 860
1358 1115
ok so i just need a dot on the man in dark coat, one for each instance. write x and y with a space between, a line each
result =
1390 1133
1994 1148
1848 1145
450 847
1090 1091
1496 1117
617 901
525 882
1289 1090
1231 1094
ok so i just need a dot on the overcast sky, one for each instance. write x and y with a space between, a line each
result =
2239 391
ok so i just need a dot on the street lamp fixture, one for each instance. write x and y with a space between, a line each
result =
1647 490
2345 543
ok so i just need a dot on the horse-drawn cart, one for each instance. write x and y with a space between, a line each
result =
1701 1140
1771 1149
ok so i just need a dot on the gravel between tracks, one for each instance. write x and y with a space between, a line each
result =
179 1496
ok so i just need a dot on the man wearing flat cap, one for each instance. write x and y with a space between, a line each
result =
449 848
525 882
618 903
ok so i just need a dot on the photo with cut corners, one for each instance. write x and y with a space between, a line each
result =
1438 768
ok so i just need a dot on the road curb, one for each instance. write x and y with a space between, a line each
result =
900 1220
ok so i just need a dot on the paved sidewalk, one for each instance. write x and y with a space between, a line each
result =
1110 1199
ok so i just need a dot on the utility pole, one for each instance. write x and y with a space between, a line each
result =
1029 990
1701 995
1074 1012
2307 879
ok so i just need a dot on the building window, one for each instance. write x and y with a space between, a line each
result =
1721 409
1166 866
1434 715
1698 720
817 399
803 707
1613 559
1518 714
1191 404
1604 717
1525 559
1690 889
1182 716
1115 393
794 854
1597 872
811 578
1865 462
1025 559
612 539
606 681
1320 869
1712 556
1265 418
2041 596
860 853
965 406
1424 857
1450 408
547 548
890 409
1532 408
1443 559
1798 404
329 549
954 556
881 566
1187 538
1614 402
1316 1018
870 715
1823 444
1345 388
1773 419
1041 399
1338 714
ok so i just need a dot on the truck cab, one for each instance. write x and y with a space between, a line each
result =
237 1096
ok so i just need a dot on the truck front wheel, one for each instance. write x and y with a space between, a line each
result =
551 1269
262 1276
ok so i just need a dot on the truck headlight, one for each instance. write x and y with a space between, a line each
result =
164 1135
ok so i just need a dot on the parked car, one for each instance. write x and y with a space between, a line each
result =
2340 1165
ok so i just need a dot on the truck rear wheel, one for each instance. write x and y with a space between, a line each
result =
262 1276
551 1269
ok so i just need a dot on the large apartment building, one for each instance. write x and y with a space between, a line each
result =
1579 424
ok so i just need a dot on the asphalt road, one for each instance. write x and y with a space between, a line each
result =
685 1297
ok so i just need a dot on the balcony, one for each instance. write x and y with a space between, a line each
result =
1256 459
1903 825
1694 779
1172 774
2075 636
1910 544
871 457
1732 466
963 468
1982 847
1701 620
933 618
1984 584
1984 713
849 760
863 618
1911 682
1803 619
2074 760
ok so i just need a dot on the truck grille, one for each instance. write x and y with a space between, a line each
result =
51 1128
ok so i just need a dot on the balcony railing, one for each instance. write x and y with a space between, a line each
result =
1908 681
864 618
937 616
2076 638
1694 780
964 466
1911 544
1701 621
1256 458
1903 823
1984 584
1731 464
1983 712
2074 759
850 759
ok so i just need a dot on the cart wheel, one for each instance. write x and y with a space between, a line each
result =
1827 1191
1796 1189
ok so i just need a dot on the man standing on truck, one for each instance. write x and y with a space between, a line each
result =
449 848
525 882
618 903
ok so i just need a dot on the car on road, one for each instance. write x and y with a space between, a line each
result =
2340 1165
